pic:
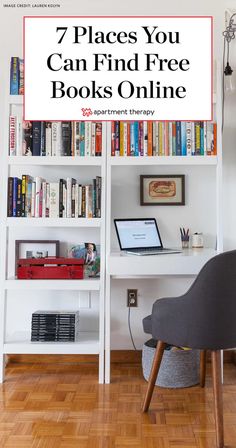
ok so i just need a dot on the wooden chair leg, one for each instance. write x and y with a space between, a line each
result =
153 375
218 397
203 358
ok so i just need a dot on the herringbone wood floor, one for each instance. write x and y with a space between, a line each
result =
62 406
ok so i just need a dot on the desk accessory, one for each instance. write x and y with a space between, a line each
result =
50 268
184 234
197 240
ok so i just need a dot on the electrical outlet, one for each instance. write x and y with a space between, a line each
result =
132 297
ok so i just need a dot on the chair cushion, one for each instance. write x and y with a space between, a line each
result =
147 324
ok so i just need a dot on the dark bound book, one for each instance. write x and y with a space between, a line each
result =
36 138
66 138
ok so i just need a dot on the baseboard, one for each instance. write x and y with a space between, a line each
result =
117 356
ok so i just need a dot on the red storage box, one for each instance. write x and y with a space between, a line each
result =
50 268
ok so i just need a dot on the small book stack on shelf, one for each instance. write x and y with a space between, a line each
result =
55 326
159 138
36 198
53 138
17 76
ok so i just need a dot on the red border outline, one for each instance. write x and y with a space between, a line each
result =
120 17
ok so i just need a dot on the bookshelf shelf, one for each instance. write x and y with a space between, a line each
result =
53 285
88 343
57 222
53 161
163 160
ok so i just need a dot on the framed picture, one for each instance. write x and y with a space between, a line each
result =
36 249
162 189
90 252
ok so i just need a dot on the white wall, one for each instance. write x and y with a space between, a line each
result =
199 212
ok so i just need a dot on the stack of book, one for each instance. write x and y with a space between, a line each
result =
53 138
55 326
36 198
162 138
17 76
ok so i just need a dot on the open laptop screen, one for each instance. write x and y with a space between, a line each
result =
137 233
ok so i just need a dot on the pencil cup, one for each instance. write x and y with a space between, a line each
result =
185 243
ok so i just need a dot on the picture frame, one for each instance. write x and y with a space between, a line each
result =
162 189
90 252
30 249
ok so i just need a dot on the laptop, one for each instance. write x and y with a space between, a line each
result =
141 237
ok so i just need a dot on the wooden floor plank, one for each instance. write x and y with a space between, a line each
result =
62 406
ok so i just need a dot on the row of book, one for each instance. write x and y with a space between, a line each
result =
53 138
55 326
160 138
36 198
16 76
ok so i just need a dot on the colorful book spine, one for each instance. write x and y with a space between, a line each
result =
48 138
174 138
145 138
183 139
121 138
132 139
93 139
88 138
14 197
12 135
154 138
201 138
23 194
54 200
157 138
136 148
125 138
117 138
19 199
82 138
27 138
197 138
98 139
128 139
166 138
170 141
14 76
43 139
178 138
189 138
10 197
21 77
149 143
113 149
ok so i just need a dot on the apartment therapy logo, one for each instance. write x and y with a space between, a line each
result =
118 63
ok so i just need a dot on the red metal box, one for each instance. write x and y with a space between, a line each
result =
50 268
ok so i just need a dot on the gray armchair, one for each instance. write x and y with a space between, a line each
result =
204 318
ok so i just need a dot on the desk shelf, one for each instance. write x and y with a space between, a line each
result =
187 263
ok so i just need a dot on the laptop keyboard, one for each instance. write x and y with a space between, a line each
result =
152 249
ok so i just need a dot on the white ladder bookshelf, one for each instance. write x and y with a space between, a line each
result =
116 266
89 342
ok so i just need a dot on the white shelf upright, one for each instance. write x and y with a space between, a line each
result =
88 342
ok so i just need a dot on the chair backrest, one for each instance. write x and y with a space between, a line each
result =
210 304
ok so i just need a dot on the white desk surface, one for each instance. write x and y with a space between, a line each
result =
187 263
